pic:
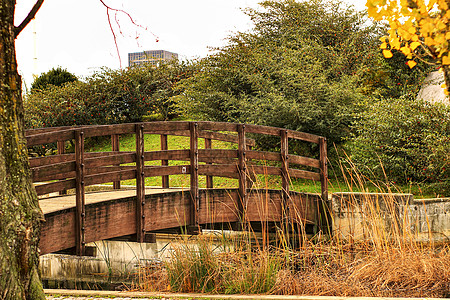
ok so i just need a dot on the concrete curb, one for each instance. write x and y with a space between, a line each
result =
126 294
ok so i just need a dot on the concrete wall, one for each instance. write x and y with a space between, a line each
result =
378 217
118 261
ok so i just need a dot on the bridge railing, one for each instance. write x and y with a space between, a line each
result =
57 173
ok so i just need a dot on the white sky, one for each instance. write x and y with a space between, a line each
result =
75 34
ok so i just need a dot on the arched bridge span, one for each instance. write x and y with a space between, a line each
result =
193 207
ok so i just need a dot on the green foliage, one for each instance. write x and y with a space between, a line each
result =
56 77
299 69
108 97
408 140
393 78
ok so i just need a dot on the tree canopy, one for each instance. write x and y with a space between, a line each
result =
56 77
420 29
305 66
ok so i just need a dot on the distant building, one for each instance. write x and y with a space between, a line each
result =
154 57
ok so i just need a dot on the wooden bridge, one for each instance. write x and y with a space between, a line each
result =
74 220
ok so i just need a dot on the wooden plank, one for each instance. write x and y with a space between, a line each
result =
58 176
109 169
61 146
109 177
262 129
323 168
195 205
34 131
307 137
152 171
304 161
284 149
169 210
49 160
218 206
101 154
103 130
241 203
140 184
57 186
223 161
168 132
79 193
167 154
263 155
218 126
48 172
285 180
123 157
209 178
218 153
229 171
164 126
114 159
50 137
115 145
164 162
325 211
294 173
265 170
219 136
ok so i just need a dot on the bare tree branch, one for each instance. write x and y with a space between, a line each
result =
31 15
108 8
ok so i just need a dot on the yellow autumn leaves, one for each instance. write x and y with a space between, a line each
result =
414 23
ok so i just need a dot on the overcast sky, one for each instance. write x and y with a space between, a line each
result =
75 34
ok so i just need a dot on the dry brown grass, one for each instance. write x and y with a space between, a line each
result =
387 262
329 271
392 273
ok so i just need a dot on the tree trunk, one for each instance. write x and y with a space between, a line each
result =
20 215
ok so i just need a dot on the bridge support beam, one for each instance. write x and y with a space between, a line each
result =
140 184
164 162
116 148
80 214
209 178
285 182
324 206
242 201
195 204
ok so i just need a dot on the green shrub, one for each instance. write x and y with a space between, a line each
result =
108 97
56 77
298 69
408 140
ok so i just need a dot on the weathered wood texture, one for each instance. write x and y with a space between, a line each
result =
77 170
171 210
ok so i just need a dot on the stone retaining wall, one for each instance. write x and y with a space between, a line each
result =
378 216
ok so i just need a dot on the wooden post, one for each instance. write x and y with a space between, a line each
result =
140 184
115 147
242 201
209 178
325 217
285 179
61 150
195 204
80 216
164 162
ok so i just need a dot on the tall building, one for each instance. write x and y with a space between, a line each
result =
154 57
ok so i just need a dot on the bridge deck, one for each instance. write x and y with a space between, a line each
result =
57 203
